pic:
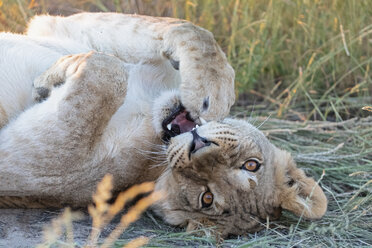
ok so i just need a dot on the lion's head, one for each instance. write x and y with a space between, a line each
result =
227 174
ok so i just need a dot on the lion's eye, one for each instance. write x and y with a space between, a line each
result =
251 165
207 199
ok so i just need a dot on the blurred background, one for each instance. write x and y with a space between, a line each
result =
299 60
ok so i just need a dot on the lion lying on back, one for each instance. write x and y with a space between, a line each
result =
123 115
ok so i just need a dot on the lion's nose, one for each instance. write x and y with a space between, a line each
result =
197 142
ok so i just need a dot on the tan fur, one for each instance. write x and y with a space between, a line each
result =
304 197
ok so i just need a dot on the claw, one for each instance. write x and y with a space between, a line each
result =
202 121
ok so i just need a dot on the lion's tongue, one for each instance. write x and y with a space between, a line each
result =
183 123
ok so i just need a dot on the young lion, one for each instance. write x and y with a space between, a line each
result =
102 115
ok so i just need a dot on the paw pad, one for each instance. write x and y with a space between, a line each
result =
43 93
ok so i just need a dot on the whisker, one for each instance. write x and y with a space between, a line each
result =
155 153
153 145
258 127
254 105
163 163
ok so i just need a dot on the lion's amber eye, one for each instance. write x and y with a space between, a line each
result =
207 199
251 165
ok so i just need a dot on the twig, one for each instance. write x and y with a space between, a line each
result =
344 40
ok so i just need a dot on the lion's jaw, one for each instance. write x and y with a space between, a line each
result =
242 199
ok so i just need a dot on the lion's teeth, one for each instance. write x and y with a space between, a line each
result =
193 129
202 121
196 126
169 126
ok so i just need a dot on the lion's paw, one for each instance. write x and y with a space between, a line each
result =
55 76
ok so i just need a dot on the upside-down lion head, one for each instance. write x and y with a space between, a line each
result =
227 174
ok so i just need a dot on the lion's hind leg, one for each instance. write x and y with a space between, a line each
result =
47 151
55 76
94 86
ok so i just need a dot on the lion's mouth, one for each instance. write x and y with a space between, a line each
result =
178 122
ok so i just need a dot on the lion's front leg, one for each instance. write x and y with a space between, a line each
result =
207 79
207 87
88 88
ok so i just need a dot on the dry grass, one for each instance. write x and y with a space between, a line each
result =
60 232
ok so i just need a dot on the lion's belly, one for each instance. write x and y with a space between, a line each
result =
21 61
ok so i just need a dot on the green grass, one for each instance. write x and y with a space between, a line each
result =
299 60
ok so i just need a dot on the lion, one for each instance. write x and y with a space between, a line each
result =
99 114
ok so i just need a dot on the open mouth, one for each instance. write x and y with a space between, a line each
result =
178 122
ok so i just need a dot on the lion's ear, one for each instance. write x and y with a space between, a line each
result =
295 191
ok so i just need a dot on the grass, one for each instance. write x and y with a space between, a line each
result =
299 60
